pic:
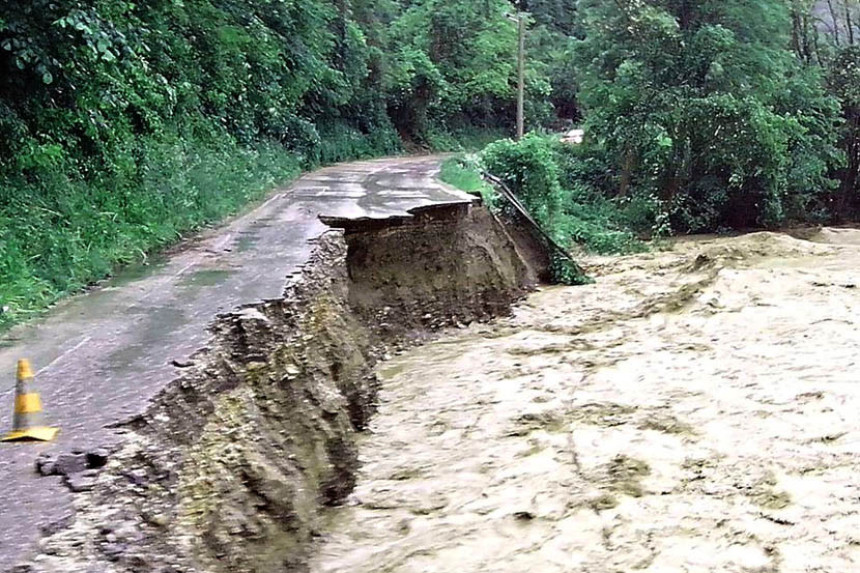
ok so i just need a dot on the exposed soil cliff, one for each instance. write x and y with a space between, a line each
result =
232 466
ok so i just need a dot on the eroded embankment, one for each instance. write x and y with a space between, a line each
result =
231 467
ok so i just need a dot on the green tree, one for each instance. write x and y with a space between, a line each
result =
702 103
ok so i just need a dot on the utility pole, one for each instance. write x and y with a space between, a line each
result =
521 73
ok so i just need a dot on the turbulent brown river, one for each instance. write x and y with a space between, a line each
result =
695 410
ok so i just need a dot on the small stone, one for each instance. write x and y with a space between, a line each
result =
158 520
67 464
45 465
137 477
63 522
79 482
183 363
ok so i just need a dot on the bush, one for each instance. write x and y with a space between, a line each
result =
60 233
557 185
530 168
464 173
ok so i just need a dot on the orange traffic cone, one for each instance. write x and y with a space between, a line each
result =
27 423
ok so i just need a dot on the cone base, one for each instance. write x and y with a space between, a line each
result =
42 434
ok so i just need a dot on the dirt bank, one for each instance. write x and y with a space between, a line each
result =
231 467
694 410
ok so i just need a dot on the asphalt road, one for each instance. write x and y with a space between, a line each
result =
101 357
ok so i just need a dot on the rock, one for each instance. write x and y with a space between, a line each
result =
63 522
80 482
183 363
45 465
157 519
68 464
137 477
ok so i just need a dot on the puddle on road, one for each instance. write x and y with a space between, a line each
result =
206 278
152 325
694 410
137 271
247 241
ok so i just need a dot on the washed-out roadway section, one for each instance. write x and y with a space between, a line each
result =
101 357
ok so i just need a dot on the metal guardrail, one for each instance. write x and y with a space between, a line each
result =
515 202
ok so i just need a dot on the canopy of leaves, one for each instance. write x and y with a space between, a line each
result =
703 103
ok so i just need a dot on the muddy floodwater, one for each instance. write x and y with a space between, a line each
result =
694 410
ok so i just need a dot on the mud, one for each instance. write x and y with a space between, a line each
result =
694 410
232 466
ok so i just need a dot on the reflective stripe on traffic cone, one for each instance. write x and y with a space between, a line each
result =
27 423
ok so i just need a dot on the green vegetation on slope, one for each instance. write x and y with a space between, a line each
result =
699 116
538 170
59 233
126 125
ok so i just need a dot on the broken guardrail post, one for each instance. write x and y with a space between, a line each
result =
556 250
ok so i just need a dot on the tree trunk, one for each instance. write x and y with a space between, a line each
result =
629 164
835 21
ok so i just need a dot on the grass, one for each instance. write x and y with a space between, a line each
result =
592 222
462 172
59 234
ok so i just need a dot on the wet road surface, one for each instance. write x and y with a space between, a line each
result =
693 411
100 357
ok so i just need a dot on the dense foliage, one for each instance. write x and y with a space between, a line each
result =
699 115
702 104
125 124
